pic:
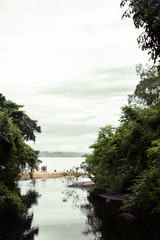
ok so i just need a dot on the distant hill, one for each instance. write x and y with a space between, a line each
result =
60 154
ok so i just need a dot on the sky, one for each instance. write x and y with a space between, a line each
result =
71 63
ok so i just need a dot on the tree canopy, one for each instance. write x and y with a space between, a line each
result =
147 92
26 125
126 158
15 154
146 15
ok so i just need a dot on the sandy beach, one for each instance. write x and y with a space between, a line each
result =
37 174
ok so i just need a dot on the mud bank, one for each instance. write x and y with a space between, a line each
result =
88 185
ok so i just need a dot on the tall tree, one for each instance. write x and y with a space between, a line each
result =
146 15
147 91
15 154
27 126
127 158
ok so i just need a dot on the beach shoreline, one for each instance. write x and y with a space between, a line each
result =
39 175
86 185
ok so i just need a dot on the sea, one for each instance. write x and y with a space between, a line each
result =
60 163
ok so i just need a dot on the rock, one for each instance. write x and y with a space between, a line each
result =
126 197
128 217
82 185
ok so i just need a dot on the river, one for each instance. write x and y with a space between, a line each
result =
69 214
57 215
63 213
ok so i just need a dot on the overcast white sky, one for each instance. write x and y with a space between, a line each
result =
71 63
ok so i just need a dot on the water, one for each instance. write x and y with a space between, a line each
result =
69 213
60 164
58 214
64 213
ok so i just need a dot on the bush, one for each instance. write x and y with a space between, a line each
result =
145 196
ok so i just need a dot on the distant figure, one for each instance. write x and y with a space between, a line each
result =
34 181
55 170
44 169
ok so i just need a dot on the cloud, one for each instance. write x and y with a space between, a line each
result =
70 129
89 91
120 72
70 63
103 83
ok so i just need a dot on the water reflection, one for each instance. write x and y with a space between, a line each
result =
70 213
18 226
103 221
76 196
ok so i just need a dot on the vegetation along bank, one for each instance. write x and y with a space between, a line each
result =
125 158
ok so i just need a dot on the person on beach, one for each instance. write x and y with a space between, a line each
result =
34 181
44 169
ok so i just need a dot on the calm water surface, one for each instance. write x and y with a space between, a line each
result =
58 213
61 164
64 213
69 214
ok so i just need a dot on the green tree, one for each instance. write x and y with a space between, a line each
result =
127 159
124 157
147 91
15 154
27 126
145 197
102 163
146 15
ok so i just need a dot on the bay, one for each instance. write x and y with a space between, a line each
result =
60 164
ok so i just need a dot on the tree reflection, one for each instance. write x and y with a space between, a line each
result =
101 218
18 225
77 196
103 221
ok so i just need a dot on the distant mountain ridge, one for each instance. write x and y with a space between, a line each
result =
60 154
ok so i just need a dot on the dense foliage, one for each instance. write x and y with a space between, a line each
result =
26 125
148 90
16 225
146 14
15 154
126 159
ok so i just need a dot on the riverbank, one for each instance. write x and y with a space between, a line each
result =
109 197
38 175
83 185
